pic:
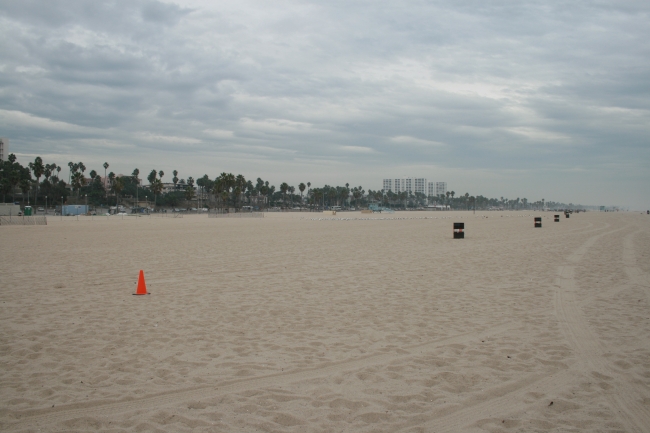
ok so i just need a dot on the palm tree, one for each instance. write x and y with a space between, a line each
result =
117 185
259 184
344 195
105 168
332 195
70 165
228 182
264 190
347 195
202 182
38 169
93 174
78 180
135 174
5 187
284 187
319 196
156 187
292 189
217 188
48 171
237 196
270 190
356 193
189 189
24 187
161 174
240 182
224 198
16 173
175 178
250 190
301 187
152 176
152 181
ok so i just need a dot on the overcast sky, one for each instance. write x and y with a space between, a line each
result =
501 98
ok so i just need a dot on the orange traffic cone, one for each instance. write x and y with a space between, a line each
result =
142 286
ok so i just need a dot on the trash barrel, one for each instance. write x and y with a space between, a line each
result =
556 218
538 222
459 230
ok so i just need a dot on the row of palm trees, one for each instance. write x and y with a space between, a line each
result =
225 190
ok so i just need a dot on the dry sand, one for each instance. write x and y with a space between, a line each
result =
304 323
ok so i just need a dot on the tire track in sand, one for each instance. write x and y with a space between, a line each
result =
511 395
589 349
38 417
634 273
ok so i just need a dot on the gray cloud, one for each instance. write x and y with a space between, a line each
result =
539 99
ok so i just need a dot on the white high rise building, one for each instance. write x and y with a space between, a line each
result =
431 189
408 184
415 185
4 148
420 185
441 188
398 184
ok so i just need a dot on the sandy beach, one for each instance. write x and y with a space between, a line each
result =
301 322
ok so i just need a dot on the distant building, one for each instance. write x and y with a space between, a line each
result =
172 187
411 185
441 188
408 184
431 189
4 148
420 185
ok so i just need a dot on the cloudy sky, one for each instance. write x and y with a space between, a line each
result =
501 98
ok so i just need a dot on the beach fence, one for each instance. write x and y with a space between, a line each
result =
165 215
235 214
538 222
23 220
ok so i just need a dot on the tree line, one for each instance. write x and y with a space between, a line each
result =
226 190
